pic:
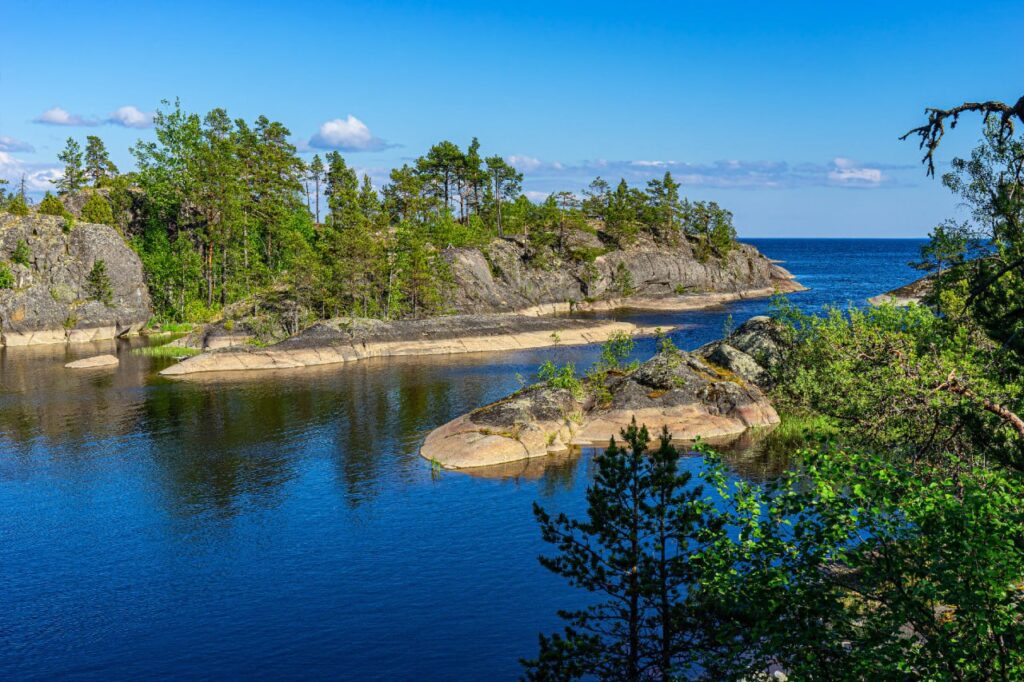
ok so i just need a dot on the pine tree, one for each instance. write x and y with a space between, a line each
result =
17 206
508 183
21 255
316 172
73 178
98 166
97 284
644 520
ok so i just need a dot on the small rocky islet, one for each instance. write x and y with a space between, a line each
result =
714 392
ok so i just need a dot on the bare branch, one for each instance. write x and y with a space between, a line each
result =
953 385
931 133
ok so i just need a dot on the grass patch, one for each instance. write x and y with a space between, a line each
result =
813 426
171 327
798 431
166 351
161 338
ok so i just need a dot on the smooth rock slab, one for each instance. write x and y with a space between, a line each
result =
94 361
676 390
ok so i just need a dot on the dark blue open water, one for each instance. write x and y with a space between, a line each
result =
283 525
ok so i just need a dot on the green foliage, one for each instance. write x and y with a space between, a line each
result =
68 224
950 244
895 379
73 178
6 276
982 261
635 553
16 205
622 280
856 567
98 166
97 284
711 226
51 205
617 348
166 351
21 255
563 377
96 209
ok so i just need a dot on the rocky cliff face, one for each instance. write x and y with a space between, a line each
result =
508 275
50 302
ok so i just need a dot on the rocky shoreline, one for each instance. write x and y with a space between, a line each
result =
346 340
340 341
714 392
915 292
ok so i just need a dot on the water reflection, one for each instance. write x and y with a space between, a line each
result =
752 455
221 443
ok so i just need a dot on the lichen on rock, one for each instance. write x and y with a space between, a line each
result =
682 391
50 302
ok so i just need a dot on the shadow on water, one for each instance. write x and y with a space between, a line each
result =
753 455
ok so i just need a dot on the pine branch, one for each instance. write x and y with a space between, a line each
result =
931 133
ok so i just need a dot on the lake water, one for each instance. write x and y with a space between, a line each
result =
283 525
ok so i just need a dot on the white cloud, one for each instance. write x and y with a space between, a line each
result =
57 116
348 135
537 197
726 174
37 176
131 117
849 172
9 144
524 163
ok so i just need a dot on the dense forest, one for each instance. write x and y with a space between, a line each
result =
222 210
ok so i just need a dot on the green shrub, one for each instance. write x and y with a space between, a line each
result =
616 349
69 223
6 277
97 284
561 377
51 205
622 280
17 206
97 210
21 255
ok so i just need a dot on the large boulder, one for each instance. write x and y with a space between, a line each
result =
752 352
674 389
50 302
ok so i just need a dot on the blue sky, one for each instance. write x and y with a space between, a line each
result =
786 113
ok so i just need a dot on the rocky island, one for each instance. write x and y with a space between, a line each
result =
714 392
500 302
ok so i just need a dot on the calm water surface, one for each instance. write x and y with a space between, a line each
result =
282 525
